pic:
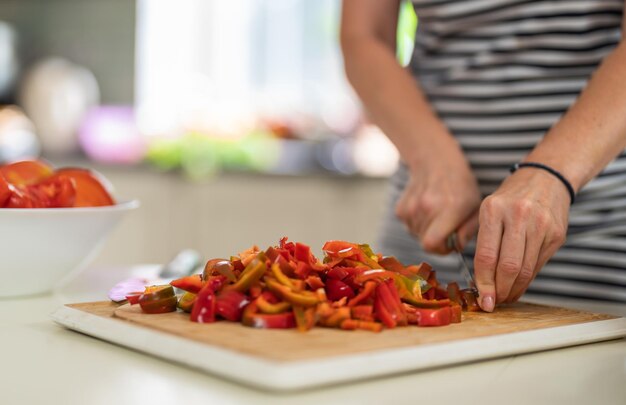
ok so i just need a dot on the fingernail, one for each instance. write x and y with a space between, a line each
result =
487 303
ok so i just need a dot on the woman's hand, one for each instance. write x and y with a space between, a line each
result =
440 198
522 225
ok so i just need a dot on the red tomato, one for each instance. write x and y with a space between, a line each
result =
90 187
26 172
58 191
5 191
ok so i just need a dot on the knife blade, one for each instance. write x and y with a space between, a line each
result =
453 243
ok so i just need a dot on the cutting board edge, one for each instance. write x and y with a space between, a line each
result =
288 376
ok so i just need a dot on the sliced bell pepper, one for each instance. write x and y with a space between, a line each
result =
315 282
305 318
387 305
186 301
280 276
392 264
304 298
469 300
266 307
158 299
353 324
434 317
422 303
337 316
192 284
250 275
203 310
363 312
455 313
337 289
229 304
338 273
454 293
133 297
251 318
367 292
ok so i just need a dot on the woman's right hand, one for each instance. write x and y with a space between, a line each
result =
440 198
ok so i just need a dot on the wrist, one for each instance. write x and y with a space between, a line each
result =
549 170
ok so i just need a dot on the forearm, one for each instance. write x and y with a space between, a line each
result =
394 101
593 131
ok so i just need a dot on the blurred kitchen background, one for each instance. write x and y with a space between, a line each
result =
231 121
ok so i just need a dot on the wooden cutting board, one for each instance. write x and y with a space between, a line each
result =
288 359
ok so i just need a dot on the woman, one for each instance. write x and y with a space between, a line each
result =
493 83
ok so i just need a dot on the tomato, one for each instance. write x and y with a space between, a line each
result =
5 191
58 190
90 187
26 172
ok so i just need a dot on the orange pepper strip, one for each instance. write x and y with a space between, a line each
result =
280 276
251 274
305 298
366 292
269 308
352 324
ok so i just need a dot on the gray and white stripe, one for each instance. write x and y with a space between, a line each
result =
500 73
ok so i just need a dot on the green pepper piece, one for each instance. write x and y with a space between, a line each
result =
186 301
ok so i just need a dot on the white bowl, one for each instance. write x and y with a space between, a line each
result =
41 246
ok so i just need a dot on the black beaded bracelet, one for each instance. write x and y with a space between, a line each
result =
558 175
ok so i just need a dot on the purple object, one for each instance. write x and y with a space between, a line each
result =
119 292
109 134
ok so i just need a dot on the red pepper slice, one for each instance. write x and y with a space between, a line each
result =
434 317
229 305
363 312
387 305
205 306
469 300
455 313
365 294
337 289
352 324
392 264
192 284
315 282
133 297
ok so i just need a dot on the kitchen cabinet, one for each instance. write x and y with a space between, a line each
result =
231 211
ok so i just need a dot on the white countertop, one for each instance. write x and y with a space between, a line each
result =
45 363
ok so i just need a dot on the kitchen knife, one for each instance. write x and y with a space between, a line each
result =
453 243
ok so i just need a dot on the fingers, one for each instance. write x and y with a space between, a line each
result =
510 259
530 267
487 253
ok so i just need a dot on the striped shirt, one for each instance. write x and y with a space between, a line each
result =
500 73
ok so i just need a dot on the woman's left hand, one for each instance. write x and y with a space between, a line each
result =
522 225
